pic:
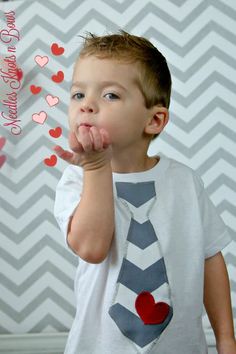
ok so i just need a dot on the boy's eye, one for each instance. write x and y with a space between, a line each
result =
77 95
111 96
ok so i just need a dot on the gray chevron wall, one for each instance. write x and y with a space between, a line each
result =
198 39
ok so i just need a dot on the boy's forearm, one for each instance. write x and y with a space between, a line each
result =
92 226
217 299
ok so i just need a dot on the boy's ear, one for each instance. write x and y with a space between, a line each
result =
159 117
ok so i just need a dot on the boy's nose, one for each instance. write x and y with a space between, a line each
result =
87 109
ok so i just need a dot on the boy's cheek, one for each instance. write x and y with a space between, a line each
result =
72 122
113 128
70 125
72 115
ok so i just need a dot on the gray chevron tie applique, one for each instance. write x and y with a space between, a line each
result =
142 306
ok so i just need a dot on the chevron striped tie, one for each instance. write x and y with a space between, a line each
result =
141 307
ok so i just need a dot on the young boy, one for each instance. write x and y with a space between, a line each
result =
147 237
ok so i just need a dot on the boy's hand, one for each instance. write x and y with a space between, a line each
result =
91 146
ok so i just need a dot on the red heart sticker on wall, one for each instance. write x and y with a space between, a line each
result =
2 142
56 50
59 77
35 89
149 311
51 161
55 133
19 74
2 160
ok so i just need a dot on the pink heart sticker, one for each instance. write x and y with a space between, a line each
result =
2 142
52 100
39 117
41 61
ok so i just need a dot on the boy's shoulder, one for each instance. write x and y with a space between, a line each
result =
179 172
179 167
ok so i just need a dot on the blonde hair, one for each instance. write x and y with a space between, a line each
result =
154 78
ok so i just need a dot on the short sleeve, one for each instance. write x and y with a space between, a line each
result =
67 197
216 235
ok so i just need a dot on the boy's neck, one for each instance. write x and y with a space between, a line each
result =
131 163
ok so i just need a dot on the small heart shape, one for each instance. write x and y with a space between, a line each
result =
39 117
19 74
52 100
55 133
2 142
35 89
56 50
149 311
2 160
59 77
51 161
41 61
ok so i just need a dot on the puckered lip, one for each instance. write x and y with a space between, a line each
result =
85 125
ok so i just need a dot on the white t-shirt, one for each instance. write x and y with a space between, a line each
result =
169 203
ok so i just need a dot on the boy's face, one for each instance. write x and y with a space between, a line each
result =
104 94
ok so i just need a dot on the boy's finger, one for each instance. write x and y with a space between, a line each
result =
63 154
66 155
74 144
105 137
97 138
86 139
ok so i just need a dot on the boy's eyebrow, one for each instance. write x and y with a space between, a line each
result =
102 83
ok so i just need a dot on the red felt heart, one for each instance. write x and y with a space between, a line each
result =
55 133
59 77
2 142
149 311
51 161
35 89
2 160
56 50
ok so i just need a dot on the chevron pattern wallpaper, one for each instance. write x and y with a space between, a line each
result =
40 39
